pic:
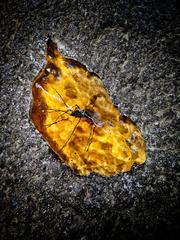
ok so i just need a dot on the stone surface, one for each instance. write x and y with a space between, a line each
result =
134 47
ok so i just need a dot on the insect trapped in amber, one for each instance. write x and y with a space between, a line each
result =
74 114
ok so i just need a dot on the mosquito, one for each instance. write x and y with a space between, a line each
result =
89 115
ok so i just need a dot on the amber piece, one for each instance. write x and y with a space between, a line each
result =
74 114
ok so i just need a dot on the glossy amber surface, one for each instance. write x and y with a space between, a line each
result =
75 115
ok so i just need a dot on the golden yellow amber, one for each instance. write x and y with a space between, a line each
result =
74 114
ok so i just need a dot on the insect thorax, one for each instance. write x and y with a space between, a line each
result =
91 116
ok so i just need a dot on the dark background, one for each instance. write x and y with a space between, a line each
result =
134 47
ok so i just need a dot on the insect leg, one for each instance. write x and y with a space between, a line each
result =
71 134
56 120
60 97
90 137
51 110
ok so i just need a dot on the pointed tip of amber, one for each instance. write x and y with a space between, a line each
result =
49 39
52 48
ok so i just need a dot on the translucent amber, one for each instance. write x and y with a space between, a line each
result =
75 115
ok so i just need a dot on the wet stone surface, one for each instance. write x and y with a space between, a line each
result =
134 47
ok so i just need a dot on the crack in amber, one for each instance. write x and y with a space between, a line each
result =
74 114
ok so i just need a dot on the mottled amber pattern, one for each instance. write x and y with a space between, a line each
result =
74 114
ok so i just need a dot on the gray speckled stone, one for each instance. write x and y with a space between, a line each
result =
134 47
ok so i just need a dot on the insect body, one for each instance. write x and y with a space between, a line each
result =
89 115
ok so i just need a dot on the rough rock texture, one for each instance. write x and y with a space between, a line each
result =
134 47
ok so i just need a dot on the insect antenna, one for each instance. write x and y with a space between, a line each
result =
71 134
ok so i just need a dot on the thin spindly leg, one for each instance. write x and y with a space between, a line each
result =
51 110
90 137
69 138
56 120
39 86
60 97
